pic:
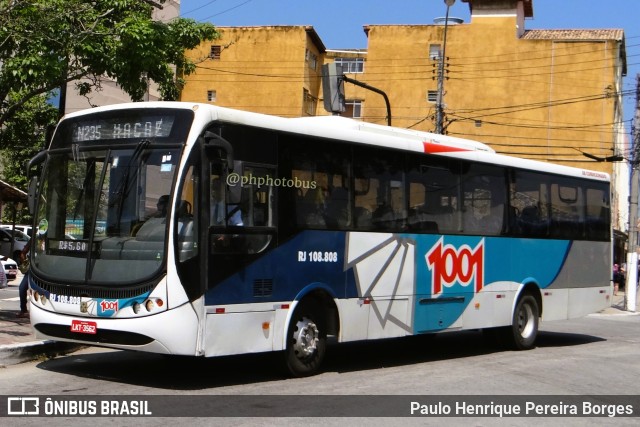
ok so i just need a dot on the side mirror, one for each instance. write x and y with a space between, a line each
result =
35 161
32 194
213 140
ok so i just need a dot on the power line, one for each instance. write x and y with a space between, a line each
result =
198 8
226 10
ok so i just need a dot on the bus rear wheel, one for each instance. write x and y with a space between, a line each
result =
306 343
524 326
523 331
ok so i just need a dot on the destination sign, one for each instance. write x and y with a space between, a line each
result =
97 129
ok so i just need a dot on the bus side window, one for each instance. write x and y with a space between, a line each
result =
311 208
484 189
384 171
433 189
530 201
597 214
338 207
383 216
185 225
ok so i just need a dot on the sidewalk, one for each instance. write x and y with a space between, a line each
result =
18 342
618 305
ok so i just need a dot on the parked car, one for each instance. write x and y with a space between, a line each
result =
18 234
26 229
10 246
10 268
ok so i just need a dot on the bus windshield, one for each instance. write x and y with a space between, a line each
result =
103 206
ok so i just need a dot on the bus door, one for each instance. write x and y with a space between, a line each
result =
241 227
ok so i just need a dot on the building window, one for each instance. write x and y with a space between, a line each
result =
351 65
215 52
312 59
435 51
309 103
432 96
212 96
353 109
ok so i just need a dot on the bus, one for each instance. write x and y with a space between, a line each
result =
190 229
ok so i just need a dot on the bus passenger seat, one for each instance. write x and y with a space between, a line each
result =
530 215
363 218
311 209
184 209
338 207
383 216
530 220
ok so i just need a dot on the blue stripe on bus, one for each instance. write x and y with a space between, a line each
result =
505 260
308 259
290 272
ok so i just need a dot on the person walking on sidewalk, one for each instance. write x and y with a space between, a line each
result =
616 279
24 284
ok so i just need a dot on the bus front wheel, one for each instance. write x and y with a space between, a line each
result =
306 343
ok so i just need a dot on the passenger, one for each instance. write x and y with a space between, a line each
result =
153 220
24 284
162 207
219 216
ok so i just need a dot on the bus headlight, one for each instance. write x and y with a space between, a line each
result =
153 304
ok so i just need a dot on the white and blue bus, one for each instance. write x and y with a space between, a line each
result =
189 229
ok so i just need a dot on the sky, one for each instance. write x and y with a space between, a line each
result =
339 23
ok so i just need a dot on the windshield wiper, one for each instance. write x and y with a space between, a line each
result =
124 187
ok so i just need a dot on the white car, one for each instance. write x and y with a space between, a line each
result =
10 247
3 278
26 229
10 268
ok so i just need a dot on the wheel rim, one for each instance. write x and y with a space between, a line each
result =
305 337
526 321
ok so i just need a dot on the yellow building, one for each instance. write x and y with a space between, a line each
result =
550 95
273 70
543 94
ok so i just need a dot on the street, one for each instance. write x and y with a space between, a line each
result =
9 299
596 355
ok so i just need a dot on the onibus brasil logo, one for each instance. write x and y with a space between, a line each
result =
450 265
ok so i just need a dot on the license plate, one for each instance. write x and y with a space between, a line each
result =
84 327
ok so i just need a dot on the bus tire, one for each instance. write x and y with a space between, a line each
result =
522 333
306 342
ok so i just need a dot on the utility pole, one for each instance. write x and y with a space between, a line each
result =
439 105
632 253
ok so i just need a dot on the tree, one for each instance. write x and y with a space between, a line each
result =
25 135
46 43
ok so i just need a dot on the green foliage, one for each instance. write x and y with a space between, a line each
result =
46 43
23 137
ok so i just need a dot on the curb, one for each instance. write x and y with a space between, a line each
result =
614 313
13 354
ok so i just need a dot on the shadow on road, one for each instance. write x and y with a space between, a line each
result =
190 373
